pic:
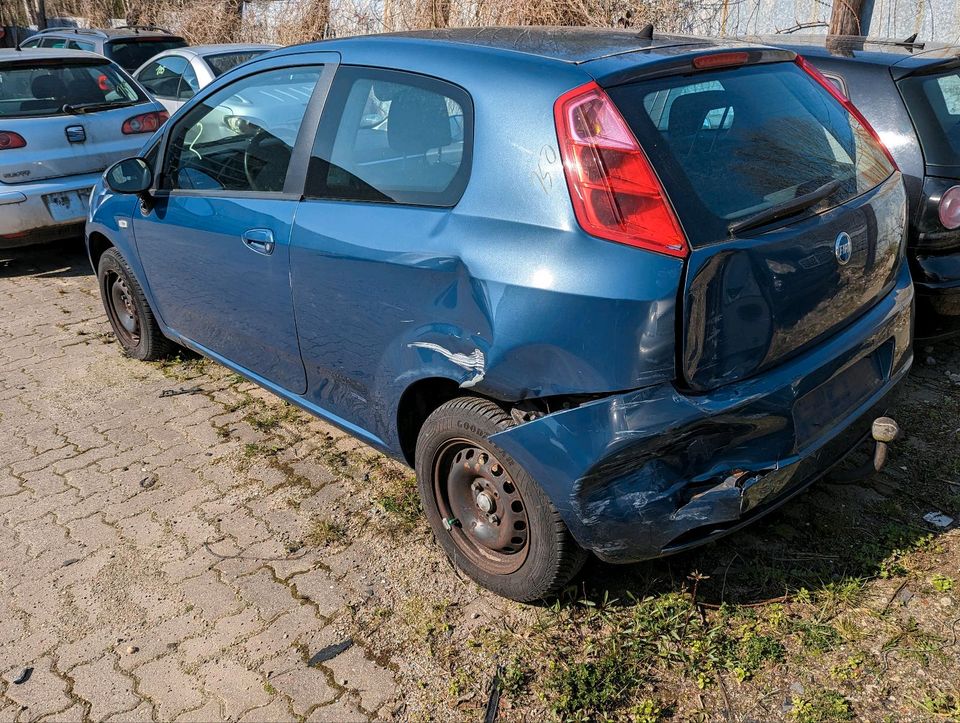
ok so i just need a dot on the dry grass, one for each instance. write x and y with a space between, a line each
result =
292 21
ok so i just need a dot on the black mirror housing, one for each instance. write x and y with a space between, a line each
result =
131 175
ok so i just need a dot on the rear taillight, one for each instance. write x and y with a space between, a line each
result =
616 194
9 139
949 208
846 103
145 122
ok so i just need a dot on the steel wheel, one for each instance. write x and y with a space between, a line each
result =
482 507
122 309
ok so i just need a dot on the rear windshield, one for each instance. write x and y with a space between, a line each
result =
131 53
934 105
62 88
731 143
223 62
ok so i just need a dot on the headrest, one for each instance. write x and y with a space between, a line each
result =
418 121
48 86
688 111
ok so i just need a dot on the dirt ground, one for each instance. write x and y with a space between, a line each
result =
179 545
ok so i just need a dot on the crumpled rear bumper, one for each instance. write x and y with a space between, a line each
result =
654 471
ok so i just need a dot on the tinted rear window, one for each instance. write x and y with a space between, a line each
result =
44 89
133 53
728 144
934 105
223 62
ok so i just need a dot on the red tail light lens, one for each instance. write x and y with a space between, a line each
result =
616 194
145 122
950 208
9 139
721 60
845 102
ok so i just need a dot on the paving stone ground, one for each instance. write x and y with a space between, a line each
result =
152 563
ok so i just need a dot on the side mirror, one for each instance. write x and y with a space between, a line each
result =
131 175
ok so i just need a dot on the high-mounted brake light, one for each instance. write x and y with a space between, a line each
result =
720 60
145 122
9 139
950 208
846 103
615 193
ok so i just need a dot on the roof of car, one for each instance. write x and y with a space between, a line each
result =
221 48
8 54
563 44
879 51
124 31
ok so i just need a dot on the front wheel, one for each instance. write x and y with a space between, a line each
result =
130 316
491 518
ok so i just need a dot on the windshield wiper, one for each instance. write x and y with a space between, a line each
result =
92 107
784 209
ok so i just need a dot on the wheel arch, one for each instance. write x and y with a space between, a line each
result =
417 402
97 244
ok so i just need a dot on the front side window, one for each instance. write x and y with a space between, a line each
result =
241 138
60 87
189 84
162 77
392 137
31 43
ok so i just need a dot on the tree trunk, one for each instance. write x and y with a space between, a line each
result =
845 17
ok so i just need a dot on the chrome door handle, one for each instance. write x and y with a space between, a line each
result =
259 240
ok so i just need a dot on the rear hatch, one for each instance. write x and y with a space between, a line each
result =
793 212
130 52
71 114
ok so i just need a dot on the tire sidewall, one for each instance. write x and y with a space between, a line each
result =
534 579
112 261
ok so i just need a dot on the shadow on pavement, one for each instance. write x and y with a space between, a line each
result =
50 260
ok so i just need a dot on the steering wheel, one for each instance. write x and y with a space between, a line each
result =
252 151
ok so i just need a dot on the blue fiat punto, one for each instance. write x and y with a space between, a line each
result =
606 291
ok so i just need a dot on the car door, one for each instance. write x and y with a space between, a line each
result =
162 78
392 158
214 241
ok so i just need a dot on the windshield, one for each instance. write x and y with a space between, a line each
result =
733 143
220 64
131 53
43 89
934 105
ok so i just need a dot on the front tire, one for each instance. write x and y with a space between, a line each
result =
133 322
493 521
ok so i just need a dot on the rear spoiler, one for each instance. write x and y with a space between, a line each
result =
932 68
710 58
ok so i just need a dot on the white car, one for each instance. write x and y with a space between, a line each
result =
65 116
174 76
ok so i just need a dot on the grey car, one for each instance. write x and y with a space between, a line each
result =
128 46
65 115
910 93
174 76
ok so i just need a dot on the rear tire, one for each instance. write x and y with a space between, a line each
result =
133 322
493 521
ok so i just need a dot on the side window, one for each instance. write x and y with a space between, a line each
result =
392 137
189 85
241 138
78 45
31 43
162 77
53 43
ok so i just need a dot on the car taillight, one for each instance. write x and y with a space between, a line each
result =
145 122
9 139
846 103
950 208
615 193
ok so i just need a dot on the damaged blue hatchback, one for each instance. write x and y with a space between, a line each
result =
607 291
